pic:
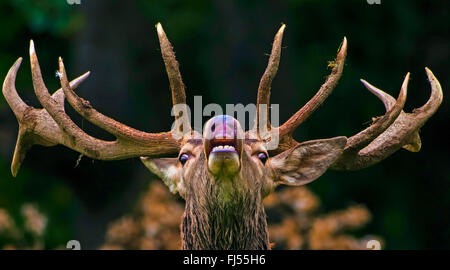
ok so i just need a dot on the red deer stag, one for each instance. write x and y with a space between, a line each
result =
222 176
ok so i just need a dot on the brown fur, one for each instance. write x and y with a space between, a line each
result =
227 213
210 222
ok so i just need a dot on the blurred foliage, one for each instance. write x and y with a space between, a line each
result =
55 17
222 48
183 18
293 217
28 233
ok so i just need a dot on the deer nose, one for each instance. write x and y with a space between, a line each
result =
222 127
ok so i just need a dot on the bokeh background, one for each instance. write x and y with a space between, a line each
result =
223 47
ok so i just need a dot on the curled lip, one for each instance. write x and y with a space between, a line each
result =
210 144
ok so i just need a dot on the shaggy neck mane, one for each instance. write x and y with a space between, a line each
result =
218 219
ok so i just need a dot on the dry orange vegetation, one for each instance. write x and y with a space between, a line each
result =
293 214
28 235
155 224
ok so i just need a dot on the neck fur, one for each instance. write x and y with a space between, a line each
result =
225 217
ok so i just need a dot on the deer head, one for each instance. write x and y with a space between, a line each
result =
224 173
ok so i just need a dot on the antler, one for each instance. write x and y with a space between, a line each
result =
51 125
263 97
387 134
377 141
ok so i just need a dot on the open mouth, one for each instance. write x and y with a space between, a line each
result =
223 138
222 146
223 156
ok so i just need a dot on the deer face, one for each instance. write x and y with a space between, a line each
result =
224 158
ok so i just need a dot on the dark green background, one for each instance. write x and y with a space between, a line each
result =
222 48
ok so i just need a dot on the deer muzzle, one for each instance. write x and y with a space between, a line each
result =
223 138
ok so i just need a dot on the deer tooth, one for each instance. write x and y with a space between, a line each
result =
223 147
229 147
219 147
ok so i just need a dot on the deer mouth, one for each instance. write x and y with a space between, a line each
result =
223 156
223 145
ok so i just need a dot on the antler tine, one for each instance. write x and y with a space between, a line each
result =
380 124
387 99
402 133
79 139
173 71
268 76
9 91
435 99
172 67
18 106
325 90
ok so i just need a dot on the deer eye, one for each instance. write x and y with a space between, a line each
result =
263 157
183 158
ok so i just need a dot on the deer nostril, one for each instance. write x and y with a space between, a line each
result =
213 127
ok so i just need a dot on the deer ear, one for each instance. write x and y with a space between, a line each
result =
165 168
306 161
